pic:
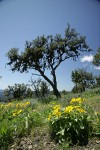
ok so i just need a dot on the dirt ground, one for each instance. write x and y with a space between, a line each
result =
43 142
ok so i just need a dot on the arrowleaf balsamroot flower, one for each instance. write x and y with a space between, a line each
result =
56 110
68 109
57 113
77 100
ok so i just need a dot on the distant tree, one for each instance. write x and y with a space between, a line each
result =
47 53
96 60
78 88
35 84
97 78
82 80
29 93
44 88
18 91
40 87
64 92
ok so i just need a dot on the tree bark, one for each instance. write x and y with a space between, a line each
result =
56 92
53 84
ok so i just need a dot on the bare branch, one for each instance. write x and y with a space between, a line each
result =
36 74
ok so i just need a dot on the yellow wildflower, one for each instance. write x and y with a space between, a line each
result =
14 114
1 106
68 109
10 105
76 107
72 100
81 110
77 100
27 103
49 117
6 106
57 113
19 111
57 107
17 105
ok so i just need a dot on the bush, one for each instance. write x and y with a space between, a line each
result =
13 121
72 123
40 87
78 89
18 119
18 91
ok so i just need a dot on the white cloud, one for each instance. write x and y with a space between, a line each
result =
97 68
87 58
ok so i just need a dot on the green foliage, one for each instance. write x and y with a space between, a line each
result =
64 146
18 91
97 78
97 124
64 92
18 120
96 60
92 93
40 88
12 122
30 118
82 80
78 88
44 88
73 123
47 53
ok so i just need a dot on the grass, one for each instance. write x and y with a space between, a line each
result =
37 113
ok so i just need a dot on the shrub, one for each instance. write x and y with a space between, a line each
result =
13 121
18 119
40 87
18 91
71 123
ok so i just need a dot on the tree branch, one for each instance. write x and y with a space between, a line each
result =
36 74
60 61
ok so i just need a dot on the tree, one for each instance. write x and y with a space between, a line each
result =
96 59
97 78
78 88
82 80
47 53
44 88
40 87
18 91
35 84
64 92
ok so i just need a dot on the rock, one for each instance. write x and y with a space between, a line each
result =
22 143
98 142
30 147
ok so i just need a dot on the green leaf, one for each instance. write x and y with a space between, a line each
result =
82 127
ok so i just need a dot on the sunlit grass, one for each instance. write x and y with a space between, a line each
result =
21 118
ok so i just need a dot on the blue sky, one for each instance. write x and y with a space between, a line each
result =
22 20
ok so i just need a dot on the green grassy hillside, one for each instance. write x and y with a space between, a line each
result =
26 124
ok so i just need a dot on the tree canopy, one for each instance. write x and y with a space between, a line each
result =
96 60
47 53
40 87
17 91
82 80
